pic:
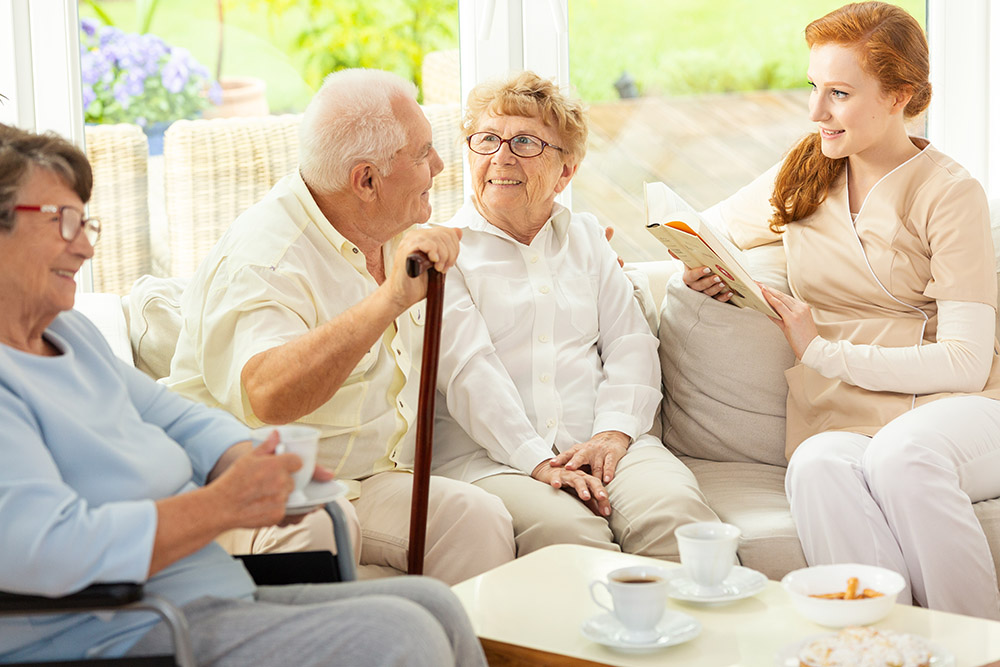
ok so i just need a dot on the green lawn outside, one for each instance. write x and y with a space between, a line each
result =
673 47
679 47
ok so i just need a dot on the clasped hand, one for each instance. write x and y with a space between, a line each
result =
585 468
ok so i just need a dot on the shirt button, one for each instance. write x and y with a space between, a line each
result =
543 338
550 423
544 289
534 259
354 250
544 377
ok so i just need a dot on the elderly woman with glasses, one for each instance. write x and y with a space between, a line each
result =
108 476
548 369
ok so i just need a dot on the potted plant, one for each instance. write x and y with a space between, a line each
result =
132 78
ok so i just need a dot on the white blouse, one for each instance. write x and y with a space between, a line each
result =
543 346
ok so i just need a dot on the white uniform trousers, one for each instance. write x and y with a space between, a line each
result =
903 500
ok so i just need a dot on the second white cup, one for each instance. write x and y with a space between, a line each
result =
303 441
638 599
708 551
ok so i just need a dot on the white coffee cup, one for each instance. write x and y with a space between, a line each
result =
708 552
638 597
297 439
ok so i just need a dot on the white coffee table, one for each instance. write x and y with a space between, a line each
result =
529 611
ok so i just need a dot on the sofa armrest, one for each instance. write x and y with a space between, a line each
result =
105 311
658 272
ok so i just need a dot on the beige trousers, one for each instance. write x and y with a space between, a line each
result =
651 495
469 531
313 533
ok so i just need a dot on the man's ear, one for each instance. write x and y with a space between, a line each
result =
364 181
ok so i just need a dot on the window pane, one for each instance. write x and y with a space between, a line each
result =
155 71
717 96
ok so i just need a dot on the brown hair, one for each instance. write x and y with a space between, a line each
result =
529 95
891 46
21 151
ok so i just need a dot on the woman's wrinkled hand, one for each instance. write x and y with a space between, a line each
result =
599 456
796 320
254 490
702 280
586 487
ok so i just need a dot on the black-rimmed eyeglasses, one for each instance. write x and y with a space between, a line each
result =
71 221
521 145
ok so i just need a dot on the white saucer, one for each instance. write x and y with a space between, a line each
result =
674 628
741 583
788 656
317 493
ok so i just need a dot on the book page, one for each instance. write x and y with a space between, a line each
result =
694 243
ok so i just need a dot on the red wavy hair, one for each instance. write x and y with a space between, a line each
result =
891 46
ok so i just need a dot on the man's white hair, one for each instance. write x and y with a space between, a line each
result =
350 120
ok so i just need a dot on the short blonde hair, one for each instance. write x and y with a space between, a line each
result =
529 95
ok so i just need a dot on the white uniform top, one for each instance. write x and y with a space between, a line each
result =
921 236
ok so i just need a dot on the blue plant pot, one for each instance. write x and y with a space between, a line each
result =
154 133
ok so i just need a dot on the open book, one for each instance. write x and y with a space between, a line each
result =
692 241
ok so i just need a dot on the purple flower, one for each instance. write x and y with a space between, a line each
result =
215 93
93 67
175 73
139 78
122 96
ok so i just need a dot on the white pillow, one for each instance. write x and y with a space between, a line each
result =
154 306
723 371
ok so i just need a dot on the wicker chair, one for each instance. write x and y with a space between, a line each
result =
215 169
118 156
440 76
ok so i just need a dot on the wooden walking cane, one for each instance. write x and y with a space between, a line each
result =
416 264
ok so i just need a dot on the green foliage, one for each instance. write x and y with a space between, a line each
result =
387 34
686 47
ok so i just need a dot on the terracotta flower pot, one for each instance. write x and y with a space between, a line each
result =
241 96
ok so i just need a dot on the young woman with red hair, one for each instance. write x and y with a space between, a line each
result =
893 422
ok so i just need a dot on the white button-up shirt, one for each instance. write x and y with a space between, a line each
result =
543 346
281 270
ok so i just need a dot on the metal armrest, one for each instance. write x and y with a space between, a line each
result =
113 596
97 596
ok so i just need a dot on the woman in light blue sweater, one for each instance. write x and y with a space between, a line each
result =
107 476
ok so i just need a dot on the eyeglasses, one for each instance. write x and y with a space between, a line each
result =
521 145
71 221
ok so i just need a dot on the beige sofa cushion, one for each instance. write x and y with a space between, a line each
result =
752 497
723 372
154 308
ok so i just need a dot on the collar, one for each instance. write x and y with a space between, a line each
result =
469 218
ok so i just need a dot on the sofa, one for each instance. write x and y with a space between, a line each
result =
724 398
723 368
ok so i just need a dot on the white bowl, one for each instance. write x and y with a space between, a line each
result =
820 579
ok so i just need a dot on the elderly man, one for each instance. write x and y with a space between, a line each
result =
303 312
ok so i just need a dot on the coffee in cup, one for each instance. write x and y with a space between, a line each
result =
638 599
297 439
708 552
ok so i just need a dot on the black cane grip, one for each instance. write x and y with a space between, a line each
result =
417 263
